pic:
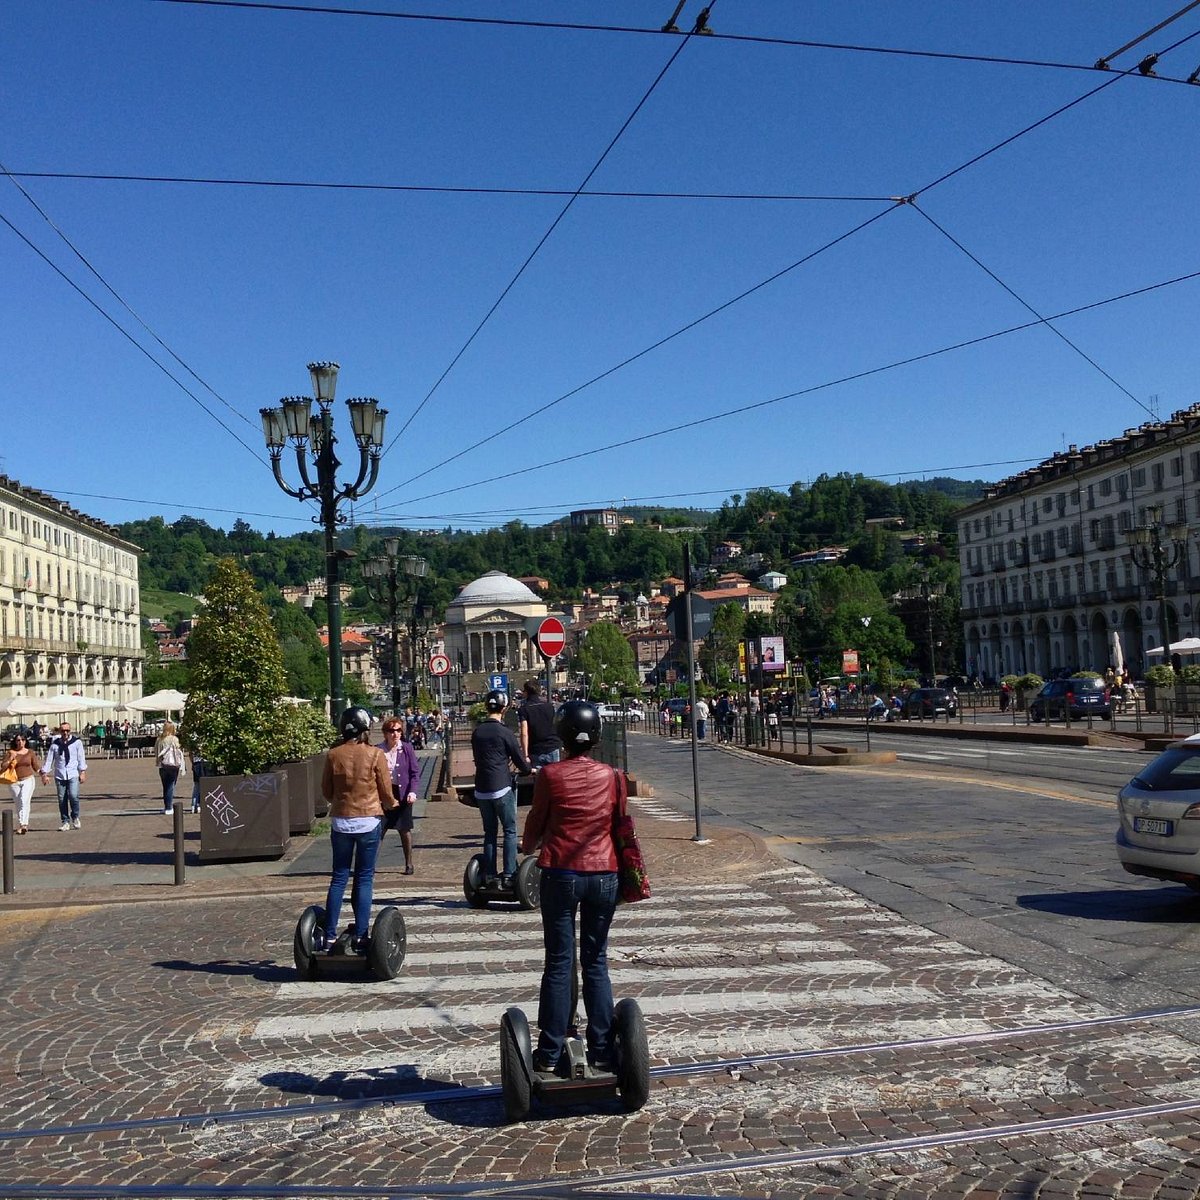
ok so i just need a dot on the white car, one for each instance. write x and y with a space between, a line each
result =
611 712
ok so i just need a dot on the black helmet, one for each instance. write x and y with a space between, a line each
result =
496 701
578 725
354 723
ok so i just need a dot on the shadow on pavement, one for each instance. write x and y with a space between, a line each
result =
403 1081
1158 905
265 970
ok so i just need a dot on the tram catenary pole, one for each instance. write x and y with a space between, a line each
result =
691 660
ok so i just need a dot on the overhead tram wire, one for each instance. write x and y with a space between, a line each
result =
647 349
898 203
329 10
1029 307
129 337
185 508
546 236
437 189
117 296
816 387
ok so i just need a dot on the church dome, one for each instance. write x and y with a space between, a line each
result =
496 588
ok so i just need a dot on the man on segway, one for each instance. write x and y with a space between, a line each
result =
358 786
495 747
574 803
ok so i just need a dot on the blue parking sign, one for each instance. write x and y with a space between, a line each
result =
498 683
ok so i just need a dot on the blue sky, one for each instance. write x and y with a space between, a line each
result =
248 284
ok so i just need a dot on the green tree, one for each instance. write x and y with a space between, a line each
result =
608 659
305 661
234 716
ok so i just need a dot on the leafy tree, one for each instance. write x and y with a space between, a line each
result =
234 716
607 658
305 660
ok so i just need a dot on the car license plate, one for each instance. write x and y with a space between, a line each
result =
1152 825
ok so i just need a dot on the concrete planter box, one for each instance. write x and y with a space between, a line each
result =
316 770
301 808
243 816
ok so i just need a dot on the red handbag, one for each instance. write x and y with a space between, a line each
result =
633 883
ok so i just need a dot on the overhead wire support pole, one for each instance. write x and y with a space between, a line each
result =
691 660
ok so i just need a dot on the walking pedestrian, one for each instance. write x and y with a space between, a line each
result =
22 759
701 714
168 753
66 764
405 773
540 742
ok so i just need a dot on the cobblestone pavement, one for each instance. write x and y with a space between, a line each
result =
169 1048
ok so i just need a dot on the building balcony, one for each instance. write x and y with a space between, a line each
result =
1124 592
1011 607
1094 597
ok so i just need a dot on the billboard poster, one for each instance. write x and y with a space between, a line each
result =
771 654
849 662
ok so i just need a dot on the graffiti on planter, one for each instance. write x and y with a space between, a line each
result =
222 811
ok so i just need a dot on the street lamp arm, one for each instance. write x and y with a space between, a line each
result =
367 463
302 467
303 493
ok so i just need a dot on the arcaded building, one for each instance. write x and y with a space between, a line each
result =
70 615
1048 574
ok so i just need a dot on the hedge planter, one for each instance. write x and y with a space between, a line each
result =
243 816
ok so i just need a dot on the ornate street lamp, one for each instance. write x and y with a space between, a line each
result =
313 439
420 617
1147 551
382 577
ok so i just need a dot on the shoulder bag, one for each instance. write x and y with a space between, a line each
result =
633 883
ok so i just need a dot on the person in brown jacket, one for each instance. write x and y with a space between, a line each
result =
358 786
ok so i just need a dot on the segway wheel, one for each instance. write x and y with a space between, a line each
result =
311 919
516 1065
389 943
473 881
632 1053
528 883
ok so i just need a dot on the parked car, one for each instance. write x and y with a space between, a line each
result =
929 702
1159 811
1075 696
673 705
614 712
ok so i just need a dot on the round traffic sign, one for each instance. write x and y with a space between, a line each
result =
439 664
551 637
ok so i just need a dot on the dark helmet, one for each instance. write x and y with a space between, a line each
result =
578 725
496 702
354 723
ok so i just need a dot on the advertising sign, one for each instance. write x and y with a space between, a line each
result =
849 662
771 654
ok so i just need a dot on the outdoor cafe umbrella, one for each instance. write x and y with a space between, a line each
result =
44 706
167 700
1118 655
1186 648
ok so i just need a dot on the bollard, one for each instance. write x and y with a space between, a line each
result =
178 831
6 835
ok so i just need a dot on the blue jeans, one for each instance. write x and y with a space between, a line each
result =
169 777
68 798
501 811
551 756
594 895
361 849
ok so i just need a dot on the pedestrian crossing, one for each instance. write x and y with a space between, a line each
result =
785 961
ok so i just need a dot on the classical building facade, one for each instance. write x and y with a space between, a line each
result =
70 615
1047 576
486 628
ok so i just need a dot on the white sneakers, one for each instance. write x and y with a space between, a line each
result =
64 827
77 824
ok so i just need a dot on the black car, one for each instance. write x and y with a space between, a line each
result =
929 702
1077 697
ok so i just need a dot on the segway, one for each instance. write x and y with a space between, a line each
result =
574 1081
387 944
525 889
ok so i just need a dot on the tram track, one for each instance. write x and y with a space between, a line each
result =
467 1095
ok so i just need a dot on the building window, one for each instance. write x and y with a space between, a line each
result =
1180 510
1157 473
1139 477
1123 521
1195 464
1047 504
1177 467
1105 487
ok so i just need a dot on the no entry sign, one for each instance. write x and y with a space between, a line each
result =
439 664
551 637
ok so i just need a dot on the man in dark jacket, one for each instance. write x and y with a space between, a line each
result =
495 747
539 741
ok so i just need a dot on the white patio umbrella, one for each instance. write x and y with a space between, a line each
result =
1118 655
167 700
45 706
62 702
1188 646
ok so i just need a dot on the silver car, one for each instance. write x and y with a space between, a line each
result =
1159 807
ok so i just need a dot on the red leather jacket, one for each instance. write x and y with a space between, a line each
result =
572 816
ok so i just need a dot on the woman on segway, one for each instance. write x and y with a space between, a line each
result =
574 803
358 786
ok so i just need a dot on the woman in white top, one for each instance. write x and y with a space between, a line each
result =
168 753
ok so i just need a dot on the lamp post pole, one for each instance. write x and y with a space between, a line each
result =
313 440
1147 551
382 578
420 616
